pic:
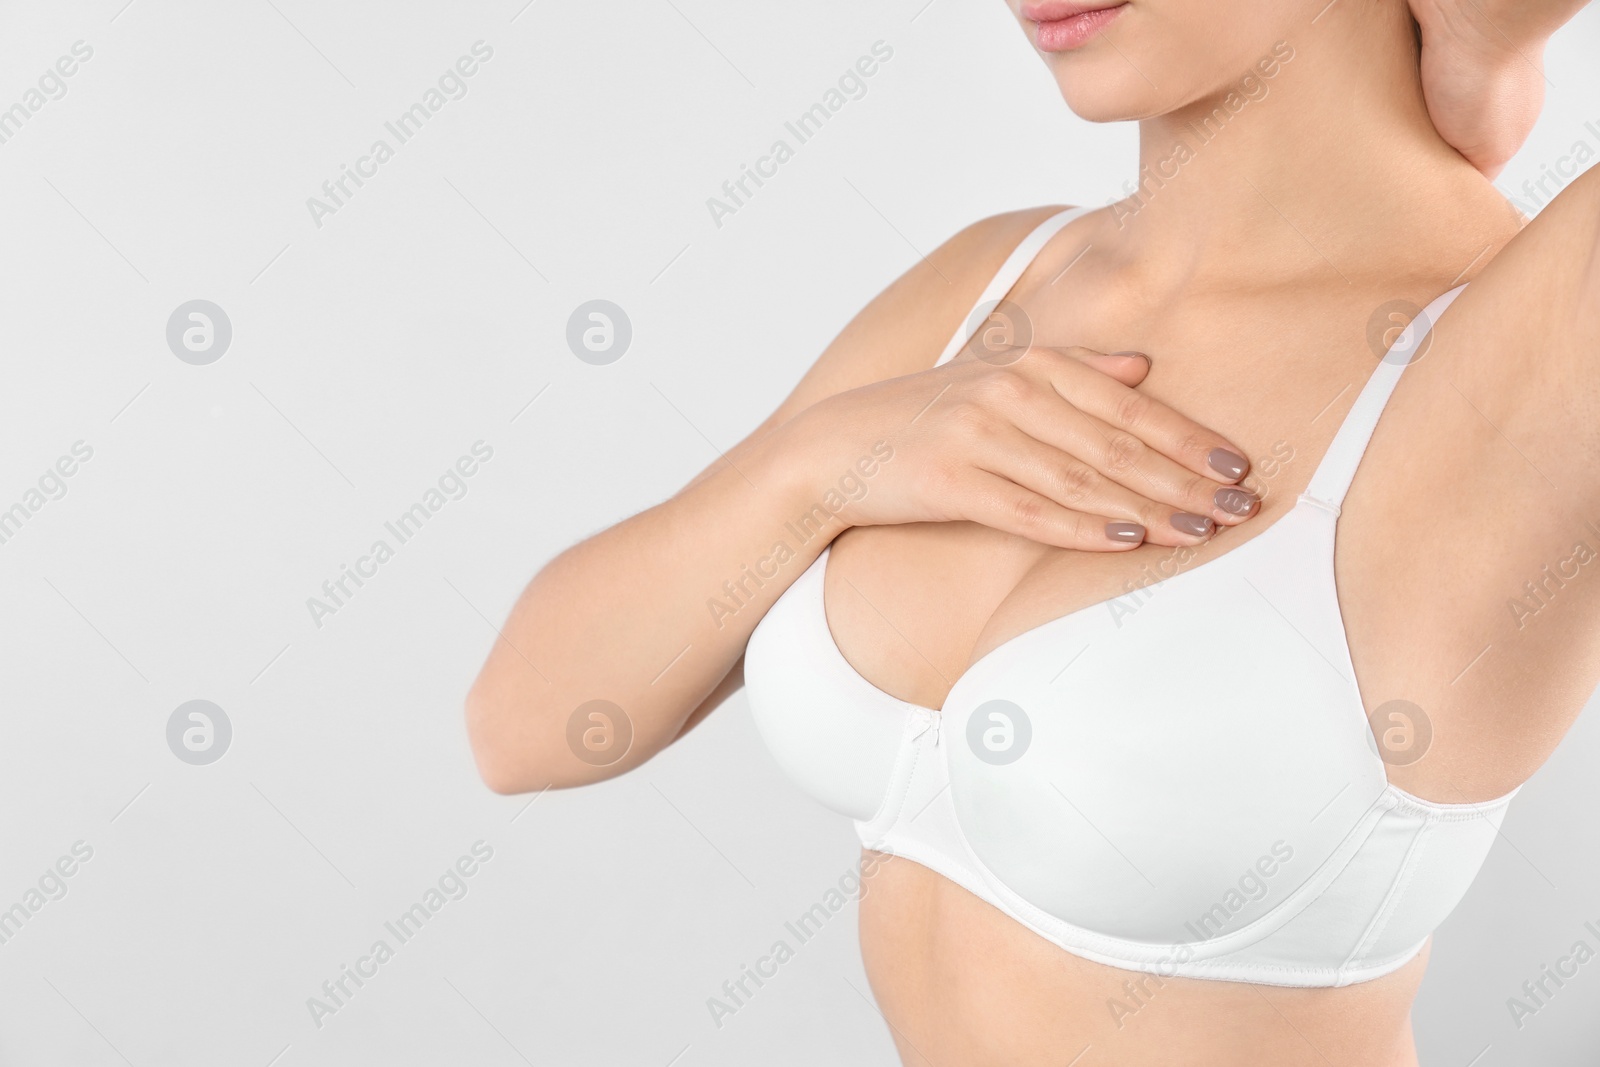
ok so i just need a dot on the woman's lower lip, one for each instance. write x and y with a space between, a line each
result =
1063 35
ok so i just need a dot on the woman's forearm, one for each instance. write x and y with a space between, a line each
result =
649 615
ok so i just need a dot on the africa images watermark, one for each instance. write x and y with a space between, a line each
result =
1536 992
451 885
852 85
451 85
1252 88
1537 192
451 485
737 992
52 85
1539 593
52 485
52 886
1251 886
803 529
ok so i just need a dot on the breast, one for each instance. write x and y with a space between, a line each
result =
1209 744
1189 787
834 734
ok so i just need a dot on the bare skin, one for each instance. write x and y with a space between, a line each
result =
1251 280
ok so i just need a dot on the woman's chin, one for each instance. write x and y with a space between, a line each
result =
1103 107
1119 97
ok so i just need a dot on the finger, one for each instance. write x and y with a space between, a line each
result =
1192 500
1129 368
1128 460
1001 504
1077 486
1181 439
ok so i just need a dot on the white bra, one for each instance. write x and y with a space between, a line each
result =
1109 781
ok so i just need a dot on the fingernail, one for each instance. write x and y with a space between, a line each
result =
1229 463
1141 355
1236 501
1124 531
1193 525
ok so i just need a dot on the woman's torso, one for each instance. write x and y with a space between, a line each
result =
1274 367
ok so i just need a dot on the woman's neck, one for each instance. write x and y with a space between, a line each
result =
1318 164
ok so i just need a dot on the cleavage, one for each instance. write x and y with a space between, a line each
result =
911 607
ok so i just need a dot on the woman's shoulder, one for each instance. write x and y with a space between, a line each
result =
990 240
905 327
915 316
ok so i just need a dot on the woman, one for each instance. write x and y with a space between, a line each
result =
1165 775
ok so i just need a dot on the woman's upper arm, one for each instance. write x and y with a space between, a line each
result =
1491 505
1525 345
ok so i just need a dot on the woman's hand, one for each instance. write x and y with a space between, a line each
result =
1052 444
1483 71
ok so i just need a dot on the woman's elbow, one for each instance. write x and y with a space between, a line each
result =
523 747
506 777
507 762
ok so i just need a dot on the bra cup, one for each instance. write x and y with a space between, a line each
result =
838 747
1166 802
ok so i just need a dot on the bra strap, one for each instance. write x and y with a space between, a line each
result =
1337 470
1009 272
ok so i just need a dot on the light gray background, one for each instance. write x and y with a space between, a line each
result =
368 354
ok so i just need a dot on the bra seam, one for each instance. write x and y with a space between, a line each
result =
899 784
1447 811
1391 900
